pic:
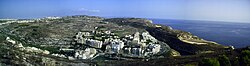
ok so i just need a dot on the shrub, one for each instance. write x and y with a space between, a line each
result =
24 24
210 62
224 61
245 58
190 65
236 62
2 37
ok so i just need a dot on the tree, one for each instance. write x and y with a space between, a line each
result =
224 61
245 58
190 65
236 62
210 62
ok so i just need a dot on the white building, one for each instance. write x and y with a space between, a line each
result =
129 37
136 38
155 48
79 38
52 17
136 51
147 36
142 44
127 50
94 43
88 53
10 40
86 34
107 32
116 46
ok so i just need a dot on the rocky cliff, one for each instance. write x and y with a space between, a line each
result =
183 42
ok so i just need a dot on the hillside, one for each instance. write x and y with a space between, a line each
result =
63 40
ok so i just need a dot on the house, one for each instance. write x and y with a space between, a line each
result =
137 51
147 36
88 53
155 48
114 46
136 38
117 45
127 50
94 43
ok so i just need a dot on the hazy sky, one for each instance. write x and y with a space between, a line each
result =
215 10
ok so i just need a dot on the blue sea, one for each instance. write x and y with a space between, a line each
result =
225 33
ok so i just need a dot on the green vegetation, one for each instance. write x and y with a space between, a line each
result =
236 62
34 26
190 65
148 41
210 62
41 32
24 24
224 61
2 21
36 32
101 28
50 49
102 22
2 37
245 58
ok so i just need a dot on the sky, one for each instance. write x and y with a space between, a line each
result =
213 10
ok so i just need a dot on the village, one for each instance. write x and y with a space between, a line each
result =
96 43
90 44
